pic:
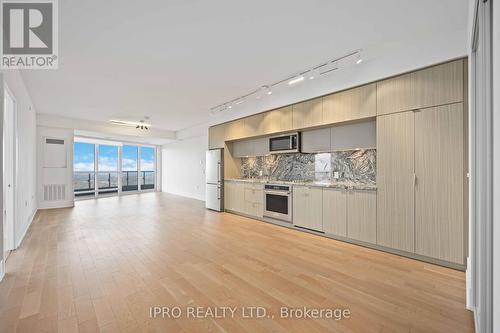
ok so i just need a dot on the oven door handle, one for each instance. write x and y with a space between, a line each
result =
282 193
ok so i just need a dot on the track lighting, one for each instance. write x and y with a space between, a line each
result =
311 74
296 80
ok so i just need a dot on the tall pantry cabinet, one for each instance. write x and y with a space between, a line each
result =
421 169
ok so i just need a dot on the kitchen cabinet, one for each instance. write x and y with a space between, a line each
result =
251 147
317 140
433 86
396 181
351 104
353 136
234 196
308 207
362 215
254 199
216 136
243 148
307 114
440 178
235 130
335 211
261 146
276 121
254 125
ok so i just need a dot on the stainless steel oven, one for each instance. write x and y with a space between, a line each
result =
286 143
278 202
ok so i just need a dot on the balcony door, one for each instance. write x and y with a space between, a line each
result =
84 169
147 168
130 168
107 170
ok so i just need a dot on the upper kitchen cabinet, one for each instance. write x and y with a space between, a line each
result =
433 86
235 129
316 140
254 125
216 136
352 104
353 136
307 114
251 147
279 120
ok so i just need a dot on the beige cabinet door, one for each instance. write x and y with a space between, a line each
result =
276 121
362 215
316 140
307 114
335 211
228 195
243 148
352 104
254 125
439 166
395 181
235 129
308 207
433 86
253 195
216 136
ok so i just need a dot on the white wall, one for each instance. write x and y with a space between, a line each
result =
183 167
25 187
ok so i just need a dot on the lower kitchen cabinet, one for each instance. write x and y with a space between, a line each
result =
253 196
362 215
308 207
234 196
335 211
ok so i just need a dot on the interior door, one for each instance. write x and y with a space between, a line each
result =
8 172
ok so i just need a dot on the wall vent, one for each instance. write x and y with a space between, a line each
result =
54 192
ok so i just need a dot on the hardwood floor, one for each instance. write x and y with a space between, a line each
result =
101 265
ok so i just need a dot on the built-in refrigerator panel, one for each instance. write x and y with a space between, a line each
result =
214 187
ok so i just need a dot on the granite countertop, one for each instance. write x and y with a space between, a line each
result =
342 184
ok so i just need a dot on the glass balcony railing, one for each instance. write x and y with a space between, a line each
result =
107 182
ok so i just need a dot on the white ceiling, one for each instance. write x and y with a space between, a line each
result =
173 60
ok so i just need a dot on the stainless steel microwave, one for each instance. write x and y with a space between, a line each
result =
286 143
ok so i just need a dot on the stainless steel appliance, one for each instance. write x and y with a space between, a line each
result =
214 189
278 202
286 143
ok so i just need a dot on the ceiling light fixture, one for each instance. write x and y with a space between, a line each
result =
142 124
296 80
312 73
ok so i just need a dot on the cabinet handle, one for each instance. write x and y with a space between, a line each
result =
414 179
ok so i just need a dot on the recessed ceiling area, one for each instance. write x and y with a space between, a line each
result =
174 60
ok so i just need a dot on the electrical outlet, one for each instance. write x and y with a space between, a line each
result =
336 175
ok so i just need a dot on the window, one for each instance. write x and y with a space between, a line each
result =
108 168
130 165
84 169
107 176
147 168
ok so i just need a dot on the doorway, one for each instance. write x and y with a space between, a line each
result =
9 170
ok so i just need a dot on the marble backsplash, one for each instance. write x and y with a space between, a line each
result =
351 165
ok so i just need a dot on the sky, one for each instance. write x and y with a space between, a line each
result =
83 159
